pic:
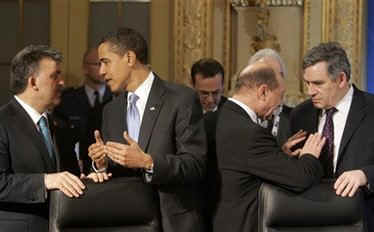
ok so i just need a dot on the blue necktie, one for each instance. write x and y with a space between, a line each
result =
133 117
44 129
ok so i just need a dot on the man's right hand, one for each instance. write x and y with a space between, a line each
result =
66 182
97 151
313 145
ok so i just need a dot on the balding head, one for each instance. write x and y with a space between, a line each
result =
260 88
257 74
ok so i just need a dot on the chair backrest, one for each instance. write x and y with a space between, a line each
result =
116 205
317 209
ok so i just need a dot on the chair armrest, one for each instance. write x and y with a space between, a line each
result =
317 207
117 202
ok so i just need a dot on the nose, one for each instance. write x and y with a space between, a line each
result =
102 70
210 98
311 90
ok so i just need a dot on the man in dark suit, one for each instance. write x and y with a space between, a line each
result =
280 126
81 109
350 157
248 154
165 140
207 77
29 163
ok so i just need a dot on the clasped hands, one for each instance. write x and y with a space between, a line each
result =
128 155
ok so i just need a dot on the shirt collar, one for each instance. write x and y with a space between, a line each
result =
344 104
90 91
144 88
247 109
34 115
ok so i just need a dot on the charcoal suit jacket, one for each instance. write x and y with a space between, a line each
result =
172 132
247 156
357 144
23 160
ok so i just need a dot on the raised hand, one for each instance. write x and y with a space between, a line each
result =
97 151
131 155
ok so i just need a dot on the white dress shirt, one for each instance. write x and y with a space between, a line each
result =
143 93
34 115
339 118
90 92
249 111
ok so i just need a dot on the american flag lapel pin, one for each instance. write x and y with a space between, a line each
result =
152 108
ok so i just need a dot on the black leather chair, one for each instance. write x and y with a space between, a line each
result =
120 204
317 209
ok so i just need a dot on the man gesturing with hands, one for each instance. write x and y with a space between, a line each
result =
151 130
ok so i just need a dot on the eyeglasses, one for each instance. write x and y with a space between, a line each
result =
206 94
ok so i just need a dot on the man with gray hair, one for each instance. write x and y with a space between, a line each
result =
280 120
345 116
247 153
29 162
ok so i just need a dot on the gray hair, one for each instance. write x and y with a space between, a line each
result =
333 54
26 63
272 54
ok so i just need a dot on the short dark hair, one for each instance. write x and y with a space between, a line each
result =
332 53
207 67
257 77
26 63
127 39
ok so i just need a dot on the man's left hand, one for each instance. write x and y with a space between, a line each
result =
130 155
348 183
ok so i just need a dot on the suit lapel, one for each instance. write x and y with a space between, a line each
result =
311 123
151 112
28 127
119 115
107 95
356 114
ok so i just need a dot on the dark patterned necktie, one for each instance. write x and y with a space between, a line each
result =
327 156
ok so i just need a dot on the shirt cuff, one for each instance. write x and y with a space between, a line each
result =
148 174
97 170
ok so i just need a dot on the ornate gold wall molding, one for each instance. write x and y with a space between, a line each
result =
343 22
192 35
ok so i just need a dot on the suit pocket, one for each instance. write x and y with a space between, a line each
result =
9 225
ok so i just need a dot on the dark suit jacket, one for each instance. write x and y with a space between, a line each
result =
23 160
172 132
284 125
75 114
357 145
247 156
211 185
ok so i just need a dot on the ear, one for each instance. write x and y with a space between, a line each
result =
342 80
131 58
262 92
31 81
